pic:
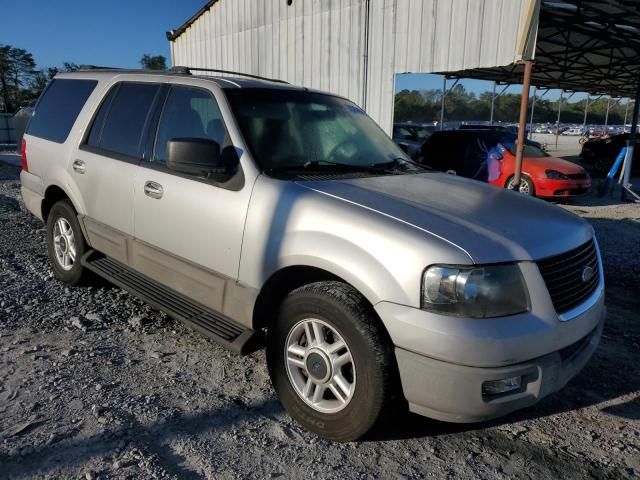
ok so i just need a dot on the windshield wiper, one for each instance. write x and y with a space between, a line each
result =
395 162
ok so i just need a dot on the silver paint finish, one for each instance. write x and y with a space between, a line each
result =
378 234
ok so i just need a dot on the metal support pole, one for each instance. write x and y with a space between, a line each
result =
493 101
626 113
586 110
632 139
606 117
444 93
558 121
524 100
533 107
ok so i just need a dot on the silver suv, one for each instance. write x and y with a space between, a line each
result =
256 211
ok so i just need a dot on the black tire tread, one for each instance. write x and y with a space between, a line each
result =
378 344
78 275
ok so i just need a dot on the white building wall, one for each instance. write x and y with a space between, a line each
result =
322 44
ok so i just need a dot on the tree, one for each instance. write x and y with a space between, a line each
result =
4 72
17 71
157 62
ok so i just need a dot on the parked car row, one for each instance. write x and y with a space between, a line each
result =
489 156
599 154
487 153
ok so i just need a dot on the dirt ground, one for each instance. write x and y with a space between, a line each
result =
95 384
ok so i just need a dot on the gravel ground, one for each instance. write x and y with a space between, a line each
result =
95 384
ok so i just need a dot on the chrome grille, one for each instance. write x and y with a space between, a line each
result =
563 276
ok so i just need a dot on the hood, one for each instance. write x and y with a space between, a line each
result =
552 163
490 224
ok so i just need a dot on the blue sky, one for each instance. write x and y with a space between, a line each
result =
119 32
108 32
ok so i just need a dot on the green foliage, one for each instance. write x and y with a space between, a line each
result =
21 82
157 62
461 105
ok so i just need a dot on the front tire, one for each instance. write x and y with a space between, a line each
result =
526 186
65 243
330 361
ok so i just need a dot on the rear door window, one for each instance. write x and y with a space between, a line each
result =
58 108
124 119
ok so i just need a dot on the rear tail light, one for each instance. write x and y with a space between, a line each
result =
23 155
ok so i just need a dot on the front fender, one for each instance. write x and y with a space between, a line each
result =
342 258
383 258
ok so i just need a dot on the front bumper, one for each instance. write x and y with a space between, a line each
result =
549 188
453 393
443 361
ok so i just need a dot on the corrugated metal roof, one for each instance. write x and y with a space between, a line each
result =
583 45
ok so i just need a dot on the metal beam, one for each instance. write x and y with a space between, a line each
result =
558 121
632 140
445 92
524 100
533 107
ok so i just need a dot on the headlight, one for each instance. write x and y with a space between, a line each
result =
556 175
474 291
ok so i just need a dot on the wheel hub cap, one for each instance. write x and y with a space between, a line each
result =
64 244
320 366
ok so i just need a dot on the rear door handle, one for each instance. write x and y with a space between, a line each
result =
153 189
79 166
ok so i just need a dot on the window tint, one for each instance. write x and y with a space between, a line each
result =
59 107
125 120
188 113
98 121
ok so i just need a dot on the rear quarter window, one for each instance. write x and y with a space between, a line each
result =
58 108
120 122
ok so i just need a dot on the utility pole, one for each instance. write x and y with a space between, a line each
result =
493 100
444 93
586 110
558 121
533 107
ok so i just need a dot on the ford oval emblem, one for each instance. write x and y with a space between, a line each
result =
587 273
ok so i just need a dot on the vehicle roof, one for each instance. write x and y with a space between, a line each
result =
227 82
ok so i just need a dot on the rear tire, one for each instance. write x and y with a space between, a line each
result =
66 244
340 315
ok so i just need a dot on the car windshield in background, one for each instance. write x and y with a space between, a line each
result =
414 133
529 151
293 131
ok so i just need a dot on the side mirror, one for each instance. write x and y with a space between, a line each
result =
195 156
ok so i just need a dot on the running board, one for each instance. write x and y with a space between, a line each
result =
219 328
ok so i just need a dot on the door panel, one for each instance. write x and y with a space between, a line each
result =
188 217
106 188
193 220
104 167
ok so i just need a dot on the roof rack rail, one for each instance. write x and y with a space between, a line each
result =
188 70
96 67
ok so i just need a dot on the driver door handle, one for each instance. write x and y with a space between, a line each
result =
153 189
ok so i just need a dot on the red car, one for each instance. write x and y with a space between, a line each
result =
490 157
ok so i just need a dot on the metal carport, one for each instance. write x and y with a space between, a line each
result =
589 46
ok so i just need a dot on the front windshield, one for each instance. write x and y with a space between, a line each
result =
293 130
